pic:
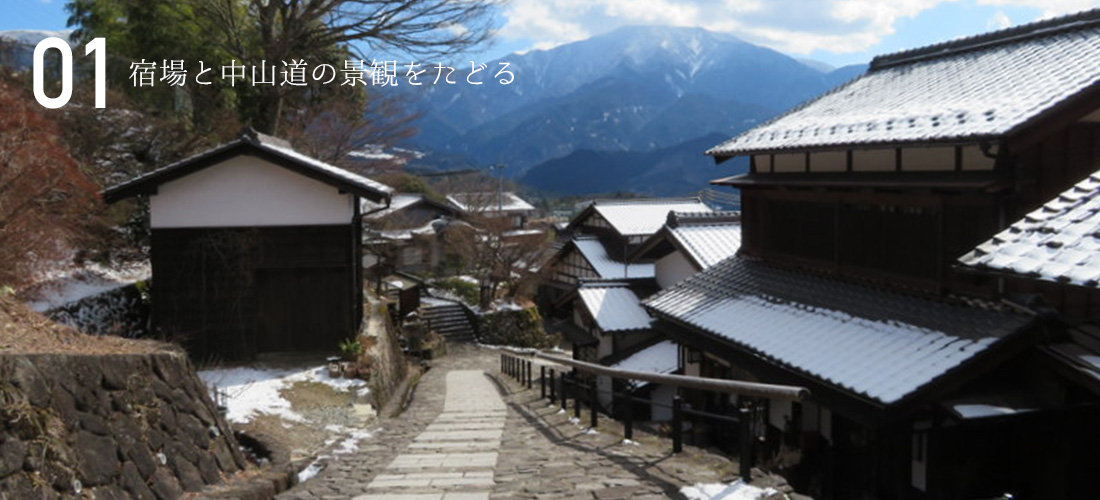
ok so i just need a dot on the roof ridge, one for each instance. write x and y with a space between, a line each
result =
590 283
717 217
1039 28
636 201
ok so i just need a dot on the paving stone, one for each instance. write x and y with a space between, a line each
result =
471 433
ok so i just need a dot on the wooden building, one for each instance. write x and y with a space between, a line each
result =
405 235
690 243
255 249
506 208
925 378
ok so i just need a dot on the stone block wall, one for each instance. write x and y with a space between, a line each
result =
110 426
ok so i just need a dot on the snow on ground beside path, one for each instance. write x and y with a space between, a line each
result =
70 285
736 490
253 391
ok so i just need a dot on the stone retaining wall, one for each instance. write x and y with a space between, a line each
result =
109 426
388 364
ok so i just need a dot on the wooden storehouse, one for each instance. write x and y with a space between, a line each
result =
927 378
255 249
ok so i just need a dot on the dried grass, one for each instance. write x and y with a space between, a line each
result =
23 331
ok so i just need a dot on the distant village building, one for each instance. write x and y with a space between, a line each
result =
405 235
255 248
690 242
504 206
928 380
593 283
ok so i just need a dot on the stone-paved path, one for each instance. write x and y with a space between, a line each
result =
472 434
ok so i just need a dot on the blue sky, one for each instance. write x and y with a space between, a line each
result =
838 32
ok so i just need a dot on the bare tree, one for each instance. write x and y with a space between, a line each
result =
332 130
501 257
282 30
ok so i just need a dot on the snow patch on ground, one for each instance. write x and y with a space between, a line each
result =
70 285
252 391
350 442
736 490
315 467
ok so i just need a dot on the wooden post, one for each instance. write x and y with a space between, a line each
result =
564 391
553 388
530 373
628 415
542 382
576 396
502 362
677 424
745 449
595 400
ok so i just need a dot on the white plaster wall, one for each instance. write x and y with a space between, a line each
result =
672 269
603 384
928 159
874 160
607 345
763 163
663 394
788 163
779 412
829 161
974 159
247 191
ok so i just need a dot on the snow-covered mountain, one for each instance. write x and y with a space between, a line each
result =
17 46
637 88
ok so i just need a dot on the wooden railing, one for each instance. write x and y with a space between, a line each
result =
561 385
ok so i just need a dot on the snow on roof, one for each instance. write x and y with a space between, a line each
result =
282 147
875 343
274 146
968 89
614 307
608 268
707 240
397 202
641 217
489 202
662 357
1059 242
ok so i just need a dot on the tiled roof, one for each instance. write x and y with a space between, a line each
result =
662 357
877 344
1081 353
614 307
708 239
642 217
971 89
607 267
489 202
1058 242
276 149
397 203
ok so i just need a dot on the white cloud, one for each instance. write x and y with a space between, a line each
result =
999 21
792 26
1049 8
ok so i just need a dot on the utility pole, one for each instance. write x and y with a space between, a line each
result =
500 187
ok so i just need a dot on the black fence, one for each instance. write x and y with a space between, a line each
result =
560 385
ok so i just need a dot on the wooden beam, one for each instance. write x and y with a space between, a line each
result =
773 391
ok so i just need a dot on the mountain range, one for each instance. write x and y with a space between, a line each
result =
632 96
629 110
17 46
